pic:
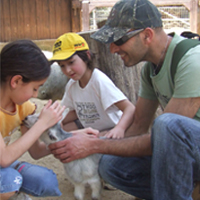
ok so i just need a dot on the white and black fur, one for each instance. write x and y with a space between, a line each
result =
79 172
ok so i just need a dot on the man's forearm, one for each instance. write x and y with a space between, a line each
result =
131 146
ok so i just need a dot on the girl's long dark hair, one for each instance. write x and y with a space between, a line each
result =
23 57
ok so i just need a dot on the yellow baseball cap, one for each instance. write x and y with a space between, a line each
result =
66 45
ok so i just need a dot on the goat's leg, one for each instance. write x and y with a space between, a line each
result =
96 188
79 191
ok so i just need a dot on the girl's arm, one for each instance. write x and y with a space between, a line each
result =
50 115
127 118
38 149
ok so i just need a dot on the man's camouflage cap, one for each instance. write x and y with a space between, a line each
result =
128 15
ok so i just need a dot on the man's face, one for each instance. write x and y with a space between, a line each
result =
131 52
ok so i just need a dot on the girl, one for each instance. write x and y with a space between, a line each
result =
24 68
92 97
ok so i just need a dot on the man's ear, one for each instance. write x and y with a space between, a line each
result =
148 35
15 80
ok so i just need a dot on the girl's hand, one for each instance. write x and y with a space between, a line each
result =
51 113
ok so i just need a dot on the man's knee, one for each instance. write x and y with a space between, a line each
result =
166 125
163 120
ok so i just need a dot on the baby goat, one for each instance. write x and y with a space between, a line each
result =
79 172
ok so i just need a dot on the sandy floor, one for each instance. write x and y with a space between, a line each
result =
65 186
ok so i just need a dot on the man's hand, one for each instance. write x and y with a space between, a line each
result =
78 146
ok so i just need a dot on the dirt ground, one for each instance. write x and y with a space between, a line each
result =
65 186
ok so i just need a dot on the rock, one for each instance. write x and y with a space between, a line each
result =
54 87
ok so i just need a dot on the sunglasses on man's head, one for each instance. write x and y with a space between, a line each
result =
127 36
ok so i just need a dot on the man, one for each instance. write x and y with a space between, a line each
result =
165 164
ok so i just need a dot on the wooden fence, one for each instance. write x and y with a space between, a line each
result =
38 19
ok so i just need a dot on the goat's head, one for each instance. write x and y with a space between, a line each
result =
30 120
53 134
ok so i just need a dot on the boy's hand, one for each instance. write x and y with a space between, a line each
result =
115 133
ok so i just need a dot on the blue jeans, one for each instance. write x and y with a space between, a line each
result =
28 178
170 173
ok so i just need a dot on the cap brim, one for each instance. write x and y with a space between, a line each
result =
109 34
62 55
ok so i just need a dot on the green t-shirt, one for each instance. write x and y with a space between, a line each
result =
186 80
